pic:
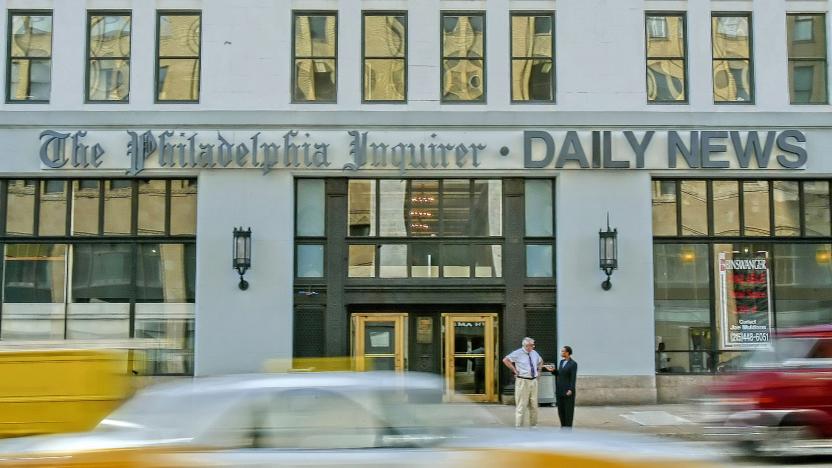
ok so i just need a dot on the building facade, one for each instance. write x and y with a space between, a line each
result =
425 183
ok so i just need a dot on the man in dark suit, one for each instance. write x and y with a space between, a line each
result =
565 374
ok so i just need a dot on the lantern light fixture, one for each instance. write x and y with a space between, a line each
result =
241 260
608 253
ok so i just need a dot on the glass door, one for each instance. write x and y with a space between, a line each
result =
469 356
379 341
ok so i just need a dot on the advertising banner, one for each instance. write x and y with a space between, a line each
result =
745 307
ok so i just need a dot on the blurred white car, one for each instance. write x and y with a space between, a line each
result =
327 419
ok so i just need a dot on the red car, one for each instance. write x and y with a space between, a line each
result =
780 402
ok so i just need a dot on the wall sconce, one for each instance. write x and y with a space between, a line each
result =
241 260
608 252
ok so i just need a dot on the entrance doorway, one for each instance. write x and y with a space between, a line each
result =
469 356
379 341
462 347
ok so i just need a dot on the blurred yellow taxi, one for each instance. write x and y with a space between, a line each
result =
327 419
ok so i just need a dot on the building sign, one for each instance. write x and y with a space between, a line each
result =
135 151
744 291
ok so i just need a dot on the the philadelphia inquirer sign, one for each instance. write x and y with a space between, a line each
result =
135 151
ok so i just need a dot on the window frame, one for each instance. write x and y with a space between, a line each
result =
665 14
364 57
531 13
752 85
795 60
9 21
442 58
88 56
294 58
159 58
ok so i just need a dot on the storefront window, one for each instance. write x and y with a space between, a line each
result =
94 296
34 289
682 307
758 285
803 284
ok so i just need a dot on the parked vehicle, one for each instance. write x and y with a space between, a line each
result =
781 400
326 419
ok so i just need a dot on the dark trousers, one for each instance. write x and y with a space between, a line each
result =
566 409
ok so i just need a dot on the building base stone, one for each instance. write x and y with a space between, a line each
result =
682 388
610 390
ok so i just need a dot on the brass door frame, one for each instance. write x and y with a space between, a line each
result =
490 337
359 322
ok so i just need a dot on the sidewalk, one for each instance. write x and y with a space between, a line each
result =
677 420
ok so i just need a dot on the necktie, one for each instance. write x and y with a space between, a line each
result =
531 364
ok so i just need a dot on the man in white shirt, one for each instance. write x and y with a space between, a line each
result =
525 364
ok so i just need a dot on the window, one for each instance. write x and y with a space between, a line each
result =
807 58
108 57
733 70
707 288
310 227
666 57
532 52
463 57
315 57
29 70
539 198
179 43
434 228
121 286
385 57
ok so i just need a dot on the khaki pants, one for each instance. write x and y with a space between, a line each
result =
525 396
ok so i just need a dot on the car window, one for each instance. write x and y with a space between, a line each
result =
822 350
318 419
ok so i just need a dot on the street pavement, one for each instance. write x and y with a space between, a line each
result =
676 421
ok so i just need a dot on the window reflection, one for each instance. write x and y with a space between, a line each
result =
34 285
807 58
178 66
361 199
786 208
666 58
664 208
756 208
463 77
488 261
183 207
385 42
731 51
456 260
30 59
85 207
532 64
20 211
456 207
152 194
539 208
392 215
118 195
310 261
694 208
109 57
393 261
726 208
362 261
315 58
816 203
